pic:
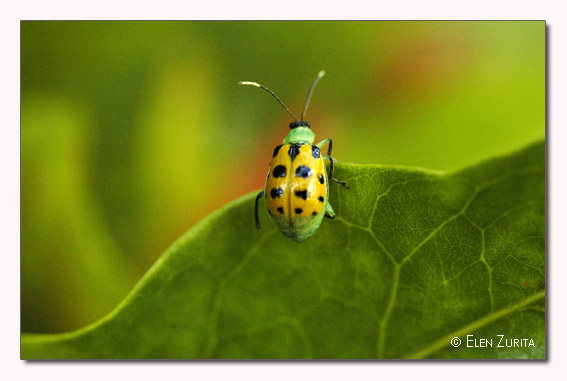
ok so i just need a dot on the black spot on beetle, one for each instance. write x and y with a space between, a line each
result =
276 150
303 171
298 210
279 171
314 214
280 209
302 194
276 192
321 178
316 152
293 151
321 198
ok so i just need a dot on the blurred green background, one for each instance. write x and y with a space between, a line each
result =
133 131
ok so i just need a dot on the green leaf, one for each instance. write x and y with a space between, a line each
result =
413 259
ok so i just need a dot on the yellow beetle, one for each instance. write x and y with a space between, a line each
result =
297 189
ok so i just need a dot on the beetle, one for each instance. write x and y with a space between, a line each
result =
297 188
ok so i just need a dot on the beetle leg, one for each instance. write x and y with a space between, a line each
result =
343 183
260 195
329 212
322 144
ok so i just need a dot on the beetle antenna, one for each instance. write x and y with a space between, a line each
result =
319 76
271 93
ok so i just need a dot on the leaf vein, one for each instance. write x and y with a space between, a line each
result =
476 324
212 336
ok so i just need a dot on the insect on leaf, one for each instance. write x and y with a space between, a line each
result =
413 259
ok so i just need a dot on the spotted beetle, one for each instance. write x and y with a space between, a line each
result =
297 189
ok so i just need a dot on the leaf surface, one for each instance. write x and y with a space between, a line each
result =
413 259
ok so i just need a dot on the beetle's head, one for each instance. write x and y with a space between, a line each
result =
299 123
